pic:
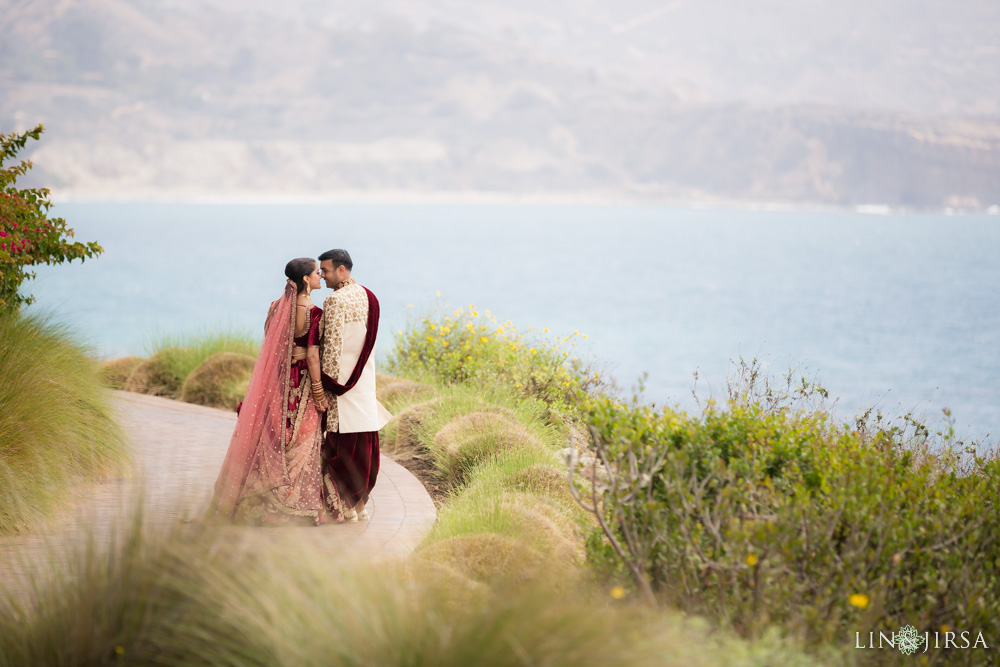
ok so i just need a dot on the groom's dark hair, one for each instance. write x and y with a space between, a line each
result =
338 257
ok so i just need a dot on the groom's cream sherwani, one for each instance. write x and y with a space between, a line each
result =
345 321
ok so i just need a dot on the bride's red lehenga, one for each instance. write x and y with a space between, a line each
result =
272 471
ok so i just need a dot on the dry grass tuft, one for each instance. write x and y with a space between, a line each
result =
408 425
543 480
469 440
396 392
155 376
487 557
547 527
116 372
217 381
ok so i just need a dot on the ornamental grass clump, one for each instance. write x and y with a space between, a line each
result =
217 381
57 425
116 372
173 358
195 596
464 346
760 512
182 354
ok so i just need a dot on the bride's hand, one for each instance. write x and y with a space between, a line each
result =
322 407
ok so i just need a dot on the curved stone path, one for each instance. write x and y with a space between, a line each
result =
179 448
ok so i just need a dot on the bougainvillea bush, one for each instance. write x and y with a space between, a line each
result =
28 236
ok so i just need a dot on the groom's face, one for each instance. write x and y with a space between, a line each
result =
330 274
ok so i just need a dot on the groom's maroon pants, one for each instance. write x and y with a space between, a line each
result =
351 460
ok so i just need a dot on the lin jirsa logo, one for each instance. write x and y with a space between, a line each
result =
909 641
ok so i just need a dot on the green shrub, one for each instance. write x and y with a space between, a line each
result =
217 379
761 513
56 422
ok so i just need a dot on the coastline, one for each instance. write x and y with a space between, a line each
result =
482 198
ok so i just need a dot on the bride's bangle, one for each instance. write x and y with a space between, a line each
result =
317 390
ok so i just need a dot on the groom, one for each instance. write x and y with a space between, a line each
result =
351 425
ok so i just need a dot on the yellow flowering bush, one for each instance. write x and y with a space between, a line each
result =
466 345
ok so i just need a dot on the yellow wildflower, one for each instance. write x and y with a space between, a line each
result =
409 305
445 343
120 650
482 339
751 560
945 628
618 592
475 313
545 330
438 292
468 357
532 350
859 600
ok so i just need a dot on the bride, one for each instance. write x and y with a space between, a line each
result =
272 471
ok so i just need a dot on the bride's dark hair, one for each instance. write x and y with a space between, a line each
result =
297 269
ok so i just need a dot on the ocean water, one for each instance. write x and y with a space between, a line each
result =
897 311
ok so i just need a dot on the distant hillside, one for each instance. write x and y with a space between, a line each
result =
624 100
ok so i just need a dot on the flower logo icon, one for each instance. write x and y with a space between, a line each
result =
908 640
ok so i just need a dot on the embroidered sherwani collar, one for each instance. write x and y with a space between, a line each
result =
344 283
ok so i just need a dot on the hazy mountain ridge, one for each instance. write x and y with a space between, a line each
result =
207 98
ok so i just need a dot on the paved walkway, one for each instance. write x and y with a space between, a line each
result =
179 448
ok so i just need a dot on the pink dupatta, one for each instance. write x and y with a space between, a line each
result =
259 438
